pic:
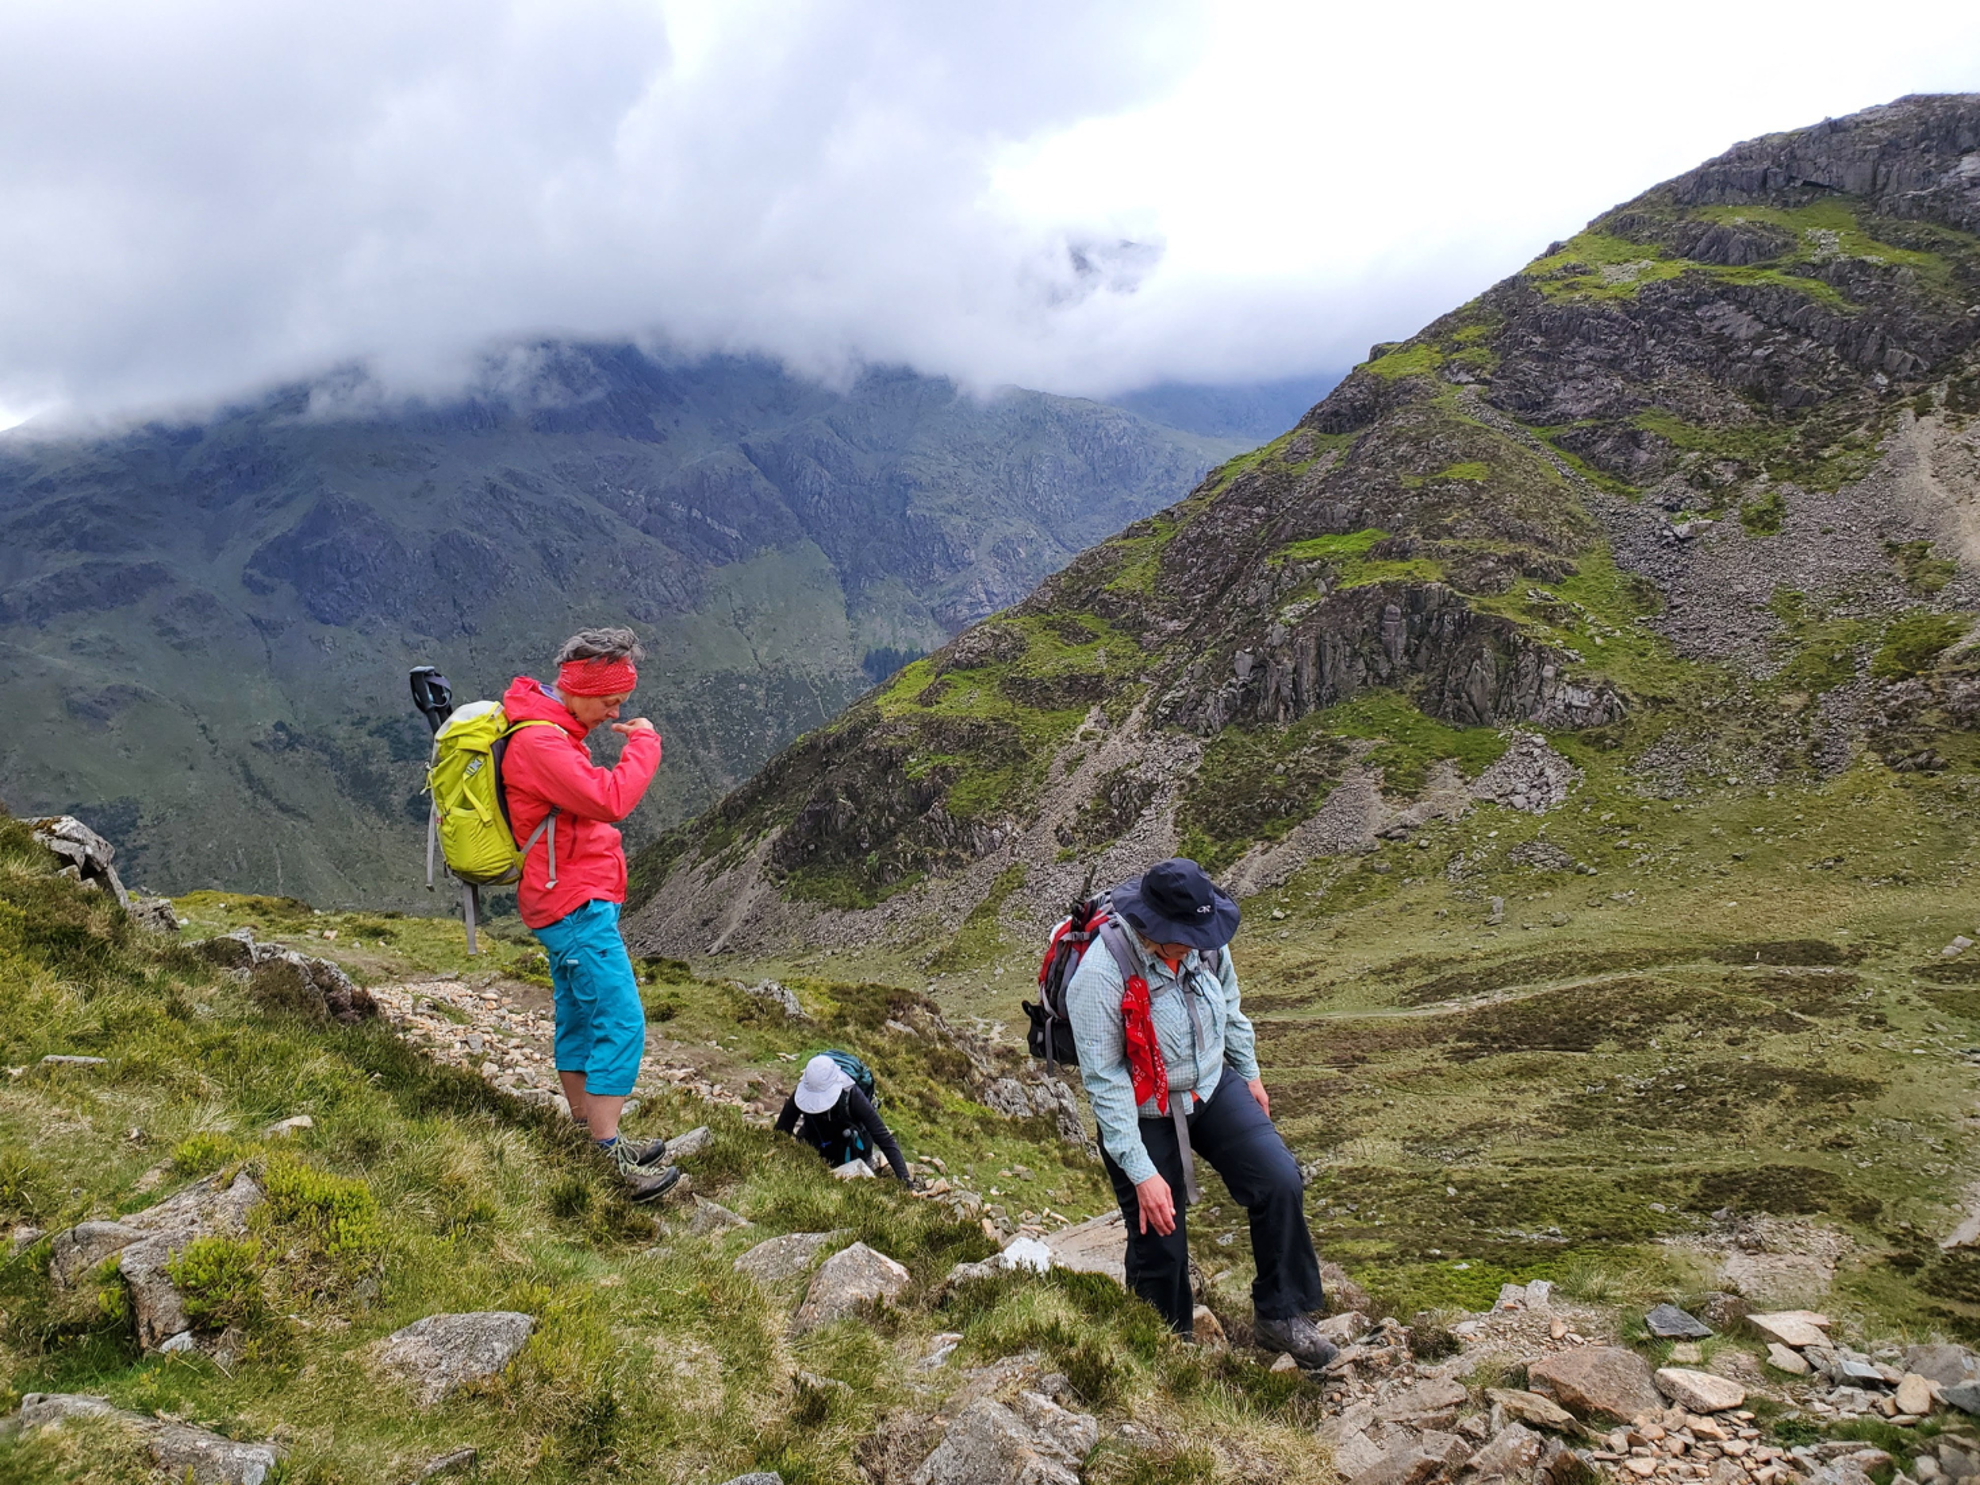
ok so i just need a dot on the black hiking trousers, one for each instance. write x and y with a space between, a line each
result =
1232 1134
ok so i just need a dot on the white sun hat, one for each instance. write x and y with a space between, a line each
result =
823 1081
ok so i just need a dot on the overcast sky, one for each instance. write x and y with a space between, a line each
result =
200 198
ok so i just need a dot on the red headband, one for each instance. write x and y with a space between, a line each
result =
596 677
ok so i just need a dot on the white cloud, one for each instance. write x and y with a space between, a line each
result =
1082 195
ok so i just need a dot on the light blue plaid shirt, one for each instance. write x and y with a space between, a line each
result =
1093 1006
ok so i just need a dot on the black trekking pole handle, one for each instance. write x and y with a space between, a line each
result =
432 695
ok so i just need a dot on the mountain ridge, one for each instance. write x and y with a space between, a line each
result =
1715 452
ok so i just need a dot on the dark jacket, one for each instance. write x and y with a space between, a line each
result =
837 1133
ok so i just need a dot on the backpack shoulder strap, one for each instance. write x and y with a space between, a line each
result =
1114 935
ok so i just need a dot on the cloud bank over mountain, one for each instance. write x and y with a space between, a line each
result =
1082 195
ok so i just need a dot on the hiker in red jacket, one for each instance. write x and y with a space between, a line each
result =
574 882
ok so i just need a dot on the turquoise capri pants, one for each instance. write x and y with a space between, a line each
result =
601 1026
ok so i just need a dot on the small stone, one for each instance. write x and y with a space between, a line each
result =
1669 1323
1285 1363
940 1348
853 1170
1531 1408
286 1127
1796 1328
23 1238
1539 1294
757 1477
689 1145
1914 1395
1787 1359
709 1218
459 1462
1699 1392
183 1341
1207 1329
1556 1329
63 1059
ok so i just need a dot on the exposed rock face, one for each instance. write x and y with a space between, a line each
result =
847 1282
442 1352
1602 1384
145 1244
1784 397
180 1450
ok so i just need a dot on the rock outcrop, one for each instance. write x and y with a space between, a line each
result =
283 979
88 858
145 1243
181 1451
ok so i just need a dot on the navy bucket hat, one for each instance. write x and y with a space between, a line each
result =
1176 903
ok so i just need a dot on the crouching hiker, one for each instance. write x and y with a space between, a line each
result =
1169 1062
574 881
833 1114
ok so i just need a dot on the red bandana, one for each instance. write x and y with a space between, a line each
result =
596 677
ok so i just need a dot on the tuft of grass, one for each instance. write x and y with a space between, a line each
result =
1913 642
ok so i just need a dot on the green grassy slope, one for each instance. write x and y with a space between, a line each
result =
420 1191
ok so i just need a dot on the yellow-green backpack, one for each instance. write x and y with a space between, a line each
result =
469 820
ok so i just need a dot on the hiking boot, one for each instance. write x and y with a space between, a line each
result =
652 1152
1297 1336
649 1152
643 1182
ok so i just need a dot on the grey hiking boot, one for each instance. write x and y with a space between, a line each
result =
648 1152
643 1182
1297 1336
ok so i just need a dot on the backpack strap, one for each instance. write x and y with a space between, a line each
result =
550 820
1113 934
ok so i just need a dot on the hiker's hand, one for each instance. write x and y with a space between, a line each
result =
1158 1207
1257 1087
637 724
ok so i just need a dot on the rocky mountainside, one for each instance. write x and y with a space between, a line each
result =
1687 505
216 619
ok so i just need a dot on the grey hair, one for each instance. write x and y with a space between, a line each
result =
601 644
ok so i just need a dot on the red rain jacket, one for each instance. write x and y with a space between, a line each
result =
547 768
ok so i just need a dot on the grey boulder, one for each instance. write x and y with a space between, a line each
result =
779 1260
845 1283
1036 1442
436 1355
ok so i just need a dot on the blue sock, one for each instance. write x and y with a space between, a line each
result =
606 1144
